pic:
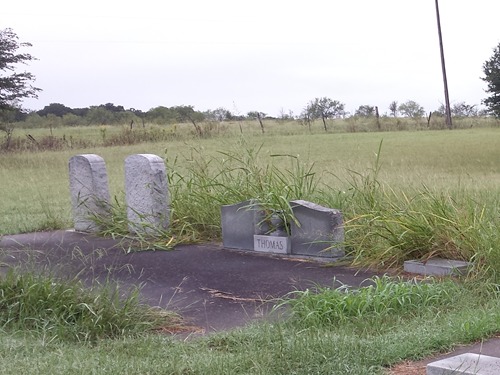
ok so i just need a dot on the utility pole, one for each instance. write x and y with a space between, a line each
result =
443 66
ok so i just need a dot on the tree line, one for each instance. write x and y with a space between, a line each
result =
323 109
15 86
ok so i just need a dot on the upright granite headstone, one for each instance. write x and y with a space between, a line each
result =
146 194
88 181
320 231
239 224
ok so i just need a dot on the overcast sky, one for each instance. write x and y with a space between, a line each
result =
264 55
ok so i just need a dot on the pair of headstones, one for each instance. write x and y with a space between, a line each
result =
146 193
315 231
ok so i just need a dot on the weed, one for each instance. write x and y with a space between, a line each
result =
382 298
386 226
117 225
52 220
69 310
206 183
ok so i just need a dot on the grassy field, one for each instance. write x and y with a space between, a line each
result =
452 175
34 191
403 194
446 182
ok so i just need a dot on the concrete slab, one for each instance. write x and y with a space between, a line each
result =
213 288
437 267
466 364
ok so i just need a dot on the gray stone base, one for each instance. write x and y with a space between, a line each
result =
437 267
468 364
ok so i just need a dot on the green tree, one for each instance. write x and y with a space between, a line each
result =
259 116
460 109
186 113
393 108
305 117
14 86
71 119
491 70
113 108
324 108
219 114
56 109
411 109
161 115
81 112
286 116
138 114
99 115
365 111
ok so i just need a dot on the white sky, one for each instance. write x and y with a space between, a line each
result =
264 55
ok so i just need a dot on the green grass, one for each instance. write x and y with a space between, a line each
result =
35 185
234 175
403 194
378 301
359 343
65 310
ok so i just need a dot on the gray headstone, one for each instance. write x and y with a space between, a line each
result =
146 194
239 224
320 231
88 181
467 364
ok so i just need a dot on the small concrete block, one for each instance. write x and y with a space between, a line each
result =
146 194
271 244
437 267
240 222
467 364
320 232
88 181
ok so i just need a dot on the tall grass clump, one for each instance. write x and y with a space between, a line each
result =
382 299
69 310
420 225
206 183
199 185
131 136
43 143
386 226
117 226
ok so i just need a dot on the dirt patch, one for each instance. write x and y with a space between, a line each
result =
407 368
